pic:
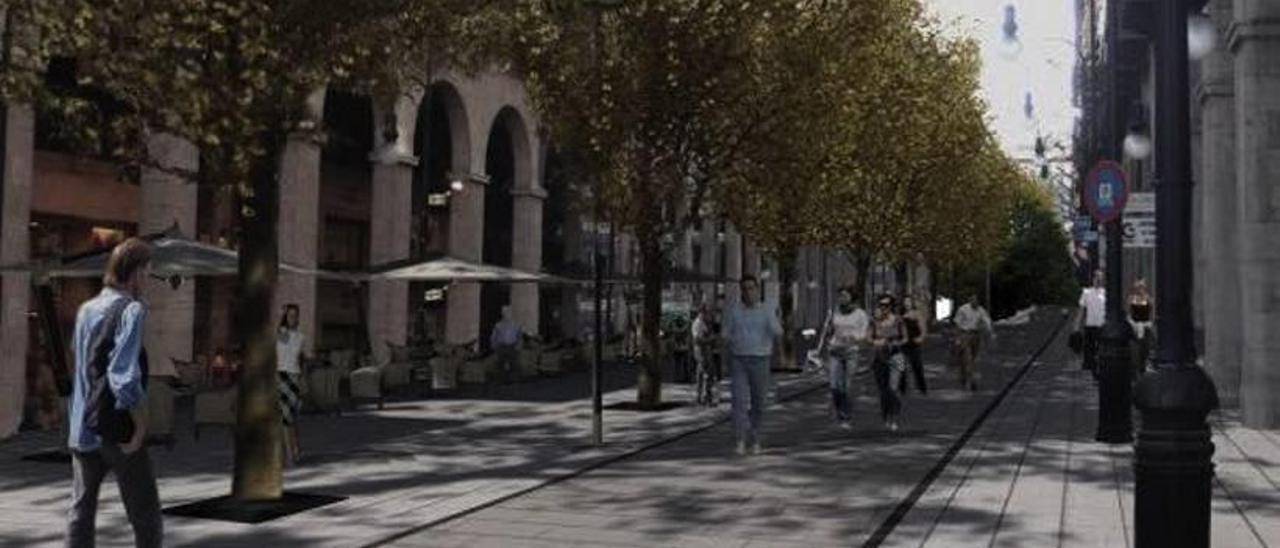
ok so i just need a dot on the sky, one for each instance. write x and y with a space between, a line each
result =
1043 66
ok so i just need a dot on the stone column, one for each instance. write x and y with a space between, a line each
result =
526 254
299 227
15 246
732 263
390 222
1218 225
1255 40
169 199
466 242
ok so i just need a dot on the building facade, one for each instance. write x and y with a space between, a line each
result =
1235 91
460 168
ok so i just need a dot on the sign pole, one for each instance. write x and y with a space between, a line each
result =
1106 194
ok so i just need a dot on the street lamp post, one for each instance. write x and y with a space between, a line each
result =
1173 466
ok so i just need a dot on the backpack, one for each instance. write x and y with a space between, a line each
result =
101 416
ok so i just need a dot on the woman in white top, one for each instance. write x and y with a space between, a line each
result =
289 343
845 331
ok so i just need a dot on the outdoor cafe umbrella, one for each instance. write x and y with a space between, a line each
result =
173 254
452 269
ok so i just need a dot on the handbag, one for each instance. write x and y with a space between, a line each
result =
1075 341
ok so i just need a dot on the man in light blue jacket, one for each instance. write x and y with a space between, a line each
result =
92 456
750 331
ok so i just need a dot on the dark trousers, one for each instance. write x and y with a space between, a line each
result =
137 485
1092 336
916 362
508 362
886 382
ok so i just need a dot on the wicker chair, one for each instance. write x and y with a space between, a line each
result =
323 386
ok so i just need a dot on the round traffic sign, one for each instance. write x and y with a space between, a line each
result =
1106 191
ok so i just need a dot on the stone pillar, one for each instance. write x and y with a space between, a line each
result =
390 222
466 242
709 261
526 254
15 247
1255 40
732 264
750 259
169 199
1219 237
299 227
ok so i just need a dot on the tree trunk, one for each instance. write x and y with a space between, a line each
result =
861 269
900 280
786 301
649 385
258 441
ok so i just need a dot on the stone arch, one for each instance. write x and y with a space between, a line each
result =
510 120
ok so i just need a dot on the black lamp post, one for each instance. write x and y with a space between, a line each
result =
1173 466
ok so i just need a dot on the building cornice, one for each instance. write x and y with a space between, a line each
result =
474 178
1217 89
534 192
393 158
1261 28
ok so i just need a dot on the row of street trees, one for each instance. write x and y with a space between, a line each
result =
851 124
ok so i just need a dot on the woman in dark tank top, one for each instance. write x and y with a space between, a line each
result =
1140 308
914 321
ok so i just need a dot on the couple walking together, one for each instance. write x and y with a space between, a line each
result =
894 338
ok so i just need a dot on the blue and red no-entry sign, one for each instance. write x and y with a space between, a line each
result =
1106 191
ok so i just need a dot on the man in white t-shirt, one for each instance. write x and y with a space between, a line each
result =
972 320
1090 319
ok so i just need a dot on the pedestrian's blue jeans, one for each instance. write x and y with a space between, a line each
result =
750 382
840 365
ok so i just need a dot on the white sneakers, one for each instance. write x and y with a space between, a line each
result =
741 449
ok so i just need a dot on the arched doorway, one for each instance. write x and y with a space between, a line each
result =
346 178
557 305
499 211
439 122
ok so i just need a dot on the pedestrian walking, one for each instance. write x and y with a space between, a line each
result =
1090 318
917 325
972 320
1140 307
750 331
289 342
108 408
843 335
887 336
505 342
707 374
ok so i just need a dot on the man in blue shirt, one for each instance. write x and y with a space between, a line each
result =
749 332
92 457
505 341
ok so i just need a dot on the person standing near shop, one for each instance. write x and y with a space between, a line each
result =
843 334
750 332
1140 307
1090 319
505 342
108 408
289 343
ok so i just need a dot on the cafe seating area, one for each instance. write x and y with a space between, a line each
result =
343 379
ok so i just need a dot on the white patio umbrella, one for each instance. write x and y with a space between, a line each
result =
451 269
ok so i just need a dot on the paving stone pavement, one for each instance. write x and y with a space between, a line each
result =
414 462
815 484
1030 476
